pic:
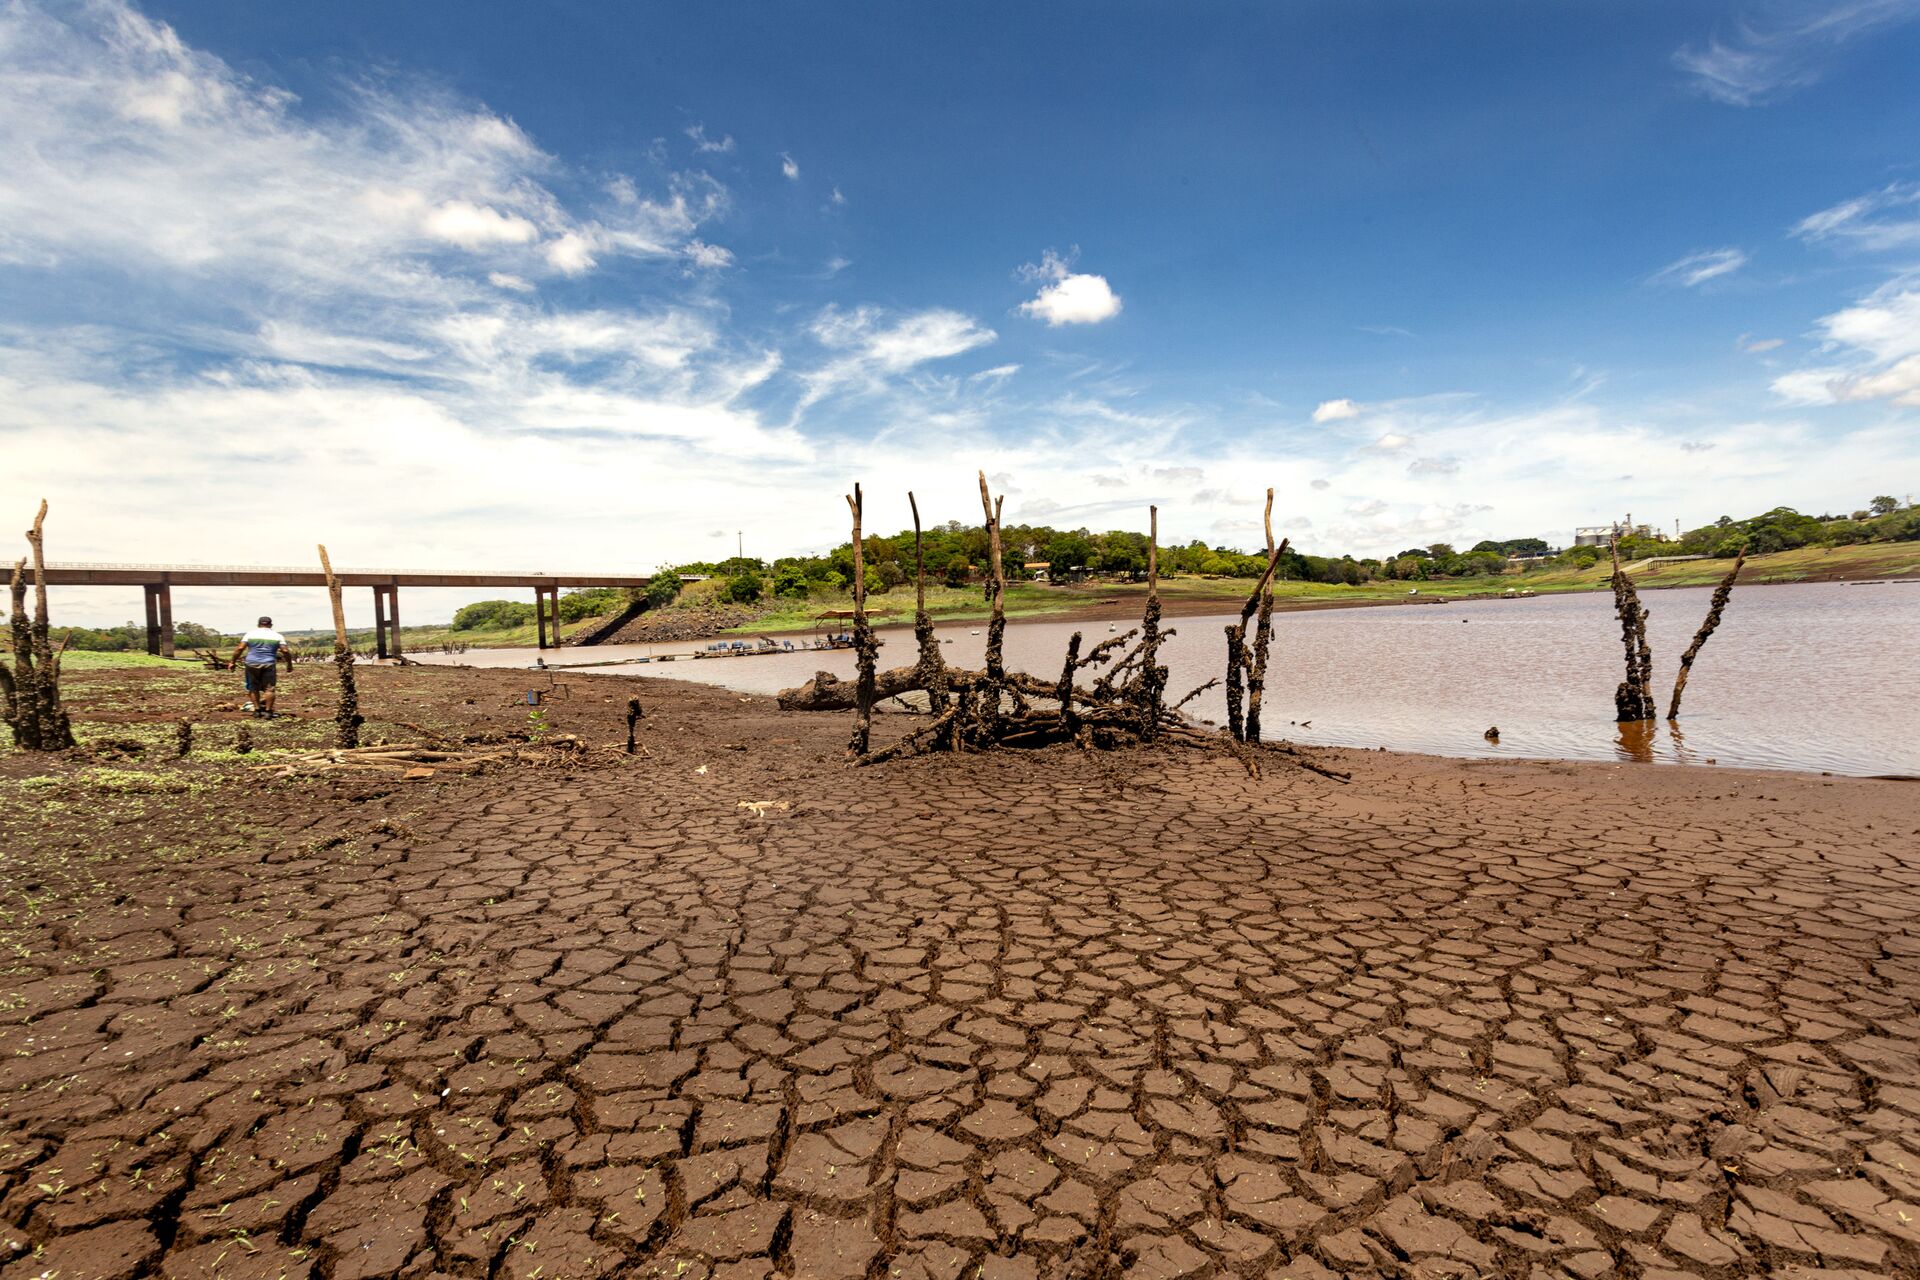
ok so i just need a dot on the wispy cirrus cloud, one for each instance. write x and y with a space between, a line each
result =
1774 48
1697 268
1881 220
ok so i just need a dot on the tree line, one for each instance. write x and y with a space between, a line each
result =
959 555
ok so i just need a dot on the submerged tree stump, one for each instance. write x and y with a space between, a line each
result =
1633 699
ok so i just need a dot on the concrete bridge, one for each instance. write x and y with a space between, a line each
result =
158 581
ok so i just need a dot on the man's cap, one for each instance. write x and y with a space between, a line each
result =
266 622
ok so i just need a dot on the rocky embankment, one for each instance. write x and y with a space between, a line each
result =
695 622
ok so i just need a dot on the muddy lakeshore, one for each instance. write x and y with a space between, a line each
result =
1017 1015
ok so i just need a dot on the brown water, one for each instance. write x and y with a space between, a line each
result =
1821 676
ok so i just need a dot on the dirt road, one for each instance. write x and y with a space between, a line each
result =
996 1017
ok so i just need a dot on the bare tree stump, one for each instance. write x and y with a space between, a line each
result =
346 715
30 693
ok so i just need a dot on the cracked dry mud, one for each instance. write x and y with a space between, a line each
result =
995 1017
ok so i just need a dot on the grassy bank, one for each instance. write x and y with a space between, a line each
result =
1037 600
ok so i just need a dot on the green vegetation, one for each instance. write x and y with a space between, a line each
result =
97 660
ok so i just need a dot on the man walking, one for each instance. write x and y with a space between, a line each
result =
262 648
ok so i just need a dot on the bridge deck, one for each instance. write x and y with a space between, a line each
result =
80 574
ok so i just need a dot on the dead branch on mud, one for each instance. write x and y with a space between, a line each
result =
346 715
30 693
1111 695
422 759
1721 594
1633 700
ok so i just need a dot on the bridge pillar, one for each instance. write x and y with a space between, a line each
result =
546 616
159 619
386 621
379 622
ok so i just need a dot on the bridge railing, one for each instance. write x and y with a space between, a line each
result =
116 567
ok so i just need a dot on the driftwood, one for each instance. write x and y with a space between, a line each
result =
1718 606
30 693
1124 704
346 716
422 759
1633 700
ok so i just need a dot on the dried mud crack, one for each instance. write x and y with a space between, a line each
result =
991 1016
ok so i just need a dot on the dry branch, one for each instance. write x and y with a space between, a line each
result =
1721 594
346 715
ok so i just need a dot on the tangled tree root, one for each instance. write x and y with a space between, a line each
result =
1124 704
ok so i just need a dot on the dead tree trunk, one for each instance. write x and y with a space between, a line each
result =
1633 700
1263 637
987 708
864 648
346 716
932 668
1151 687
32 689
1239 662
1721 594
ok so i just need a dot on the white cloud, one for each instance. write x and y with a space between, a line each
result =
1756 346
871 346
1783 46
836 198
571 254
790 167
702 143
507 280
999 373
476 227
1069 297
1444 465
710 256
1391 442
1697 268
1877 345
1336 410
1857 222
234 184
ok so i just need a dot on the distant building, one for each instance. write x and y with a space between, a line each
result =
1039 569
1599 535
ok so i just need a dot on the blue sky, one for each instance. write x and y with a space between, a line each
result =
598 286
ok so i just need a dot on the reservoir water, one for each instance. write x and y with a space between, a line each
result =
1820 676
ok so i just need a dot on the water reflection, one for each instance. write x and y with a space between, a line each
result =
1634 739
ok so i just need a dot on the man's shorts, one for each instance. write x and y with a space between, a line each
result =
262 678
